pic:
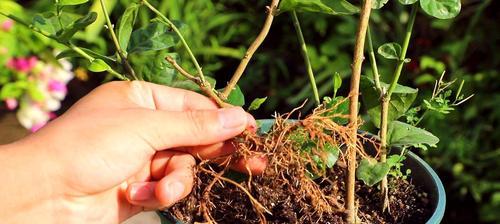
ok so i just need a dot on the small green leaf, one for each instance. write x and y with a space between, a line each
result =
337 82
236 97
76 26
403 134
332 7
441 9
371 172
98 65
407 2
338 108
72 2
401 100
126 25
156 36
390 51
256 103
331 154
377 4
407 60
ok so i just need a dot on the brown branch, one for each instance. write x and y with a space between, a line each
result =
353 108
204 86
271 11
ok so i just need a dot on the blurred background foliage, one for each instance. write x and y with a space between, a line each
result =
468 155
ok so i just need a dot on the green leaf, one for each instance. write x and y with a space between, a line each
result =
72 2
441 9
236 97
403 134
256 103
46 22
126 25
390 51
12 90
377 4
337 82
371 172
332 7
98 65
156 36
338 108
401 100
331 154
407 2
157 69
79 24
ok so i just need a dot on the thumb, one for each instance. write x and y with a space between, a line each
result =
169 129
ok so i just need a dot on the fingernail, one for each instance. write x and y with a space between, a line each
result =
141 191
233 117
175 191
251 123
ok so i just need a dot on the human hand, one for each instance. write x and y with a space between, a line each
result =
129 146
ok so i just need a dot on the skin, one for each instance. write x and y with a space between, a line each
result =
124 148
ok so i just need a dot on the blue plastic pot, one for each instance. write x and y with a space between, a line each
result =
422 174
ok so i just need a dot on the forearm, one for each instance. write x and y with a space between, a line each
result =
27 193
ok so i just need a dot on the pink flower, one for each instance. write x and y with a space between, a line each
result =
22 64
11 103
7 25
37 127
57 86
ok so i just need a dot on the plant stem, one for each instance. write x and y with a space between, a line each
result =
373 61
205 87
402 57
353 108
386 98
251 50
181 37
305 55
120 51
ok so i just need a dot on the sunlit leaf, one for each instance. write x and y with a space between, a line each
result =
236 97
407 2
401 100
332 7
256 103
98 65
76 26
441 9
390 51
126 25
371 172
377 4
403 134
72 2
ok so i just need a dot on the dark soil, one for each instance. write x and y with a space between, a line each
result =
285 192
408 203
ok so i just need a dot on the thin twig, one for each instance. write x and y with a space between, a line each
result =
120 51
305 55
271 10
204 86
181 37
353 108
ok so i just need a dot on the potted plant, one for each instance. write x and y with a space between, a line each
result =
321 168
